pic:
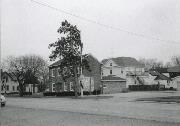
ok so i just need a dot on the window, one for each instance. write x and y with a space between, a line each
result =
17 88
121 71
71 86
78 70
2 88
110 71
3 81
6 79
7 87
13 88
53 87
65 86
52 71
58 70
110 64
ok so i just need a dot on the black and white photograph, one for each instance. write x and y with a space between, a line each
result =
89 62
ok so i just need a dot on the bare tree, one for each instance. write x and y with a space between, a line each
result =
151 63
168 64
175 60
27 69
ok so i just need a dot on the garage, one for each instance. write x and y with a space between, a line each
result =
113 84
174 73
178 85
177 80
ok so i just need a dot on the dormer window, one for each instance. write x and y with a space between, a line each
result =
110 64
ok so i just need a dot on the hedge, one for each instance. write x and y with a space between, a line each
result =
70 93
49 93
13 93
27 93
146 87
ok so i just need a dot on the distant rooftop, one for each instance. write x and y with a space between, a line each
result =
55 64
175 69
125 61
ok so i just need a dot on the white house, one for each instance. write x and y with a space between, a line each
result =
127 68
9 83
29 88
174 73
169 77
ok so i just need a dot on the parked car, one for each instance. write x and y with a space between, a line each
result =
3 101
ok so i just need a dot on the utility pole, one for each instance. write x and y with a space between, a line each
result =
0 47
81 74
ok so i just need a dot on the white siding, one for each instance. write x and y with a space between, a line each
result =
10 83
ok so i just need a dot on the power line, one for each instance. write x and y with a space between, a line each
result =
104 25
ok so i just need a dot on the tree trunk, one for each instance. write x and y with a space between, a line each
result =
21 89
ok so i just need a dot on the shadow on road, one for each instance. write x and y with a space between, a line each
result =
169 99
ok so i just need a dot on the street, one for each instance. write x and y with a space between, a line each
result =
114 109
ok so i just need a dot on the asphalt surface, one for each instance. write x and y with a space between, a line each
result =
107 110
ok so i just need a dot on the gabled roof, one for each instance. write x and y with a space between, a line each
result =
57 63
175 69
160 70
159 76
112 78
125 61
11 75
162 77
153 73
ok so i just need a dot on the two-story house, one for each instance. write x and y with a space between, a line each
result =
126 68
9 83
91 80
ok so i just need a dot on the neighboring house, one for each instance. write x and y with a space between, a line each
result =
160 78
127 68
113 84
91 80
174 73
29 88
169 77
9 83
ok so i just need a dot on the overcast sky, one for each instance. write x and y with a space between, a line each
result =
28 27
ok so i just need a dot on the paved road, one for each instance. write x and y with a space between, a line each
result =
117 109
15 116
